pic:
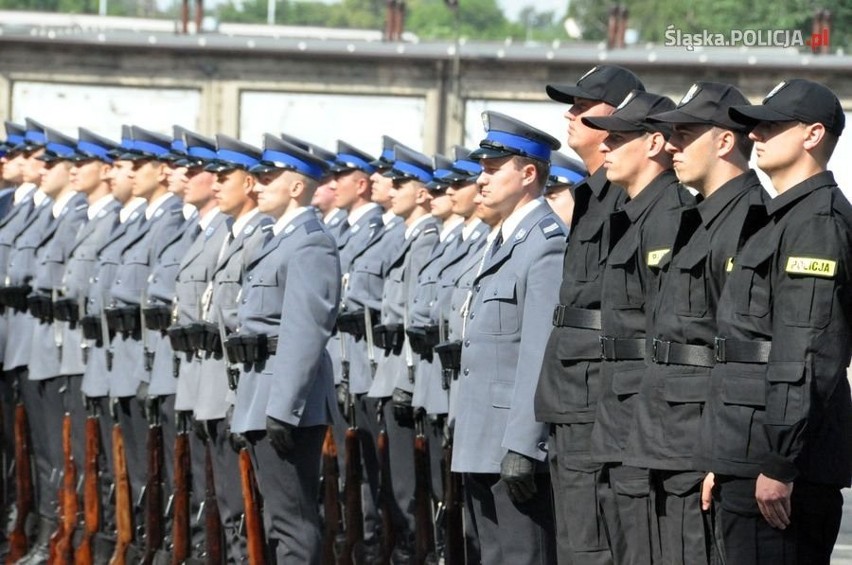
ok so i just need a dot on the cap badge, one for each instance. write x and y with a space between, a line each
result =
486 121
690 94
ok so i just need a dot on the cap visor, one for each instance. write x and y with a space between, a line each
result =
263 168
678 117
488 153
612 123
566 93
26 147
135 156
753 115
50 157
335 168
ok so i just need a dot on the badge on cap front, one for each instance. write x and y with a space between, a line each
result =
775 90
690 94
486 121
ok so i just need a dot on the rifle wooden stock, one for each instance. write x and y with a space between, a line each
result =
256 546
353 548
91 494
24 500
123 502
424 537
180 525
213 533
385 497
330 497
454 547
154 494
69 504
53 541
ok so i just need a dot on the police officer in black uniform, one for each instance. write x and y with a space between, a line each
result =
711 154
568 384
776 427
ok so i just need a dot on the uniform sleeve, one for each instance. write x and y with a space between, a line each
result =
311 299
810 338
541 293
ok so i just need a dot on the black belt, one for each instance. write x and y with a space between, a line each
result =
422 338
622 349
740 351
671 353
157 318
123 319
251 348
568 317
66 309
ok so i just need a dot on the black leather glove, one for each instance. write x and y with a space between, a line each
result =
403 410
518 472
281 436
200 429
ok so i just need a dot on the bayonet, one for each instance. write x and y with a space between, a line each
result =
57 329
147 354
406 346
368 331
107 344
84 343
231 370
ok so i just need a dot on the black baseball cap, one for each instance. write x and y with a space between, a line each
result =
706 103
632 114
605 83
795 100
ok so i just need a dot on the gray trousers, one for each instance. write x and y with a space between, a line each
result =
226 479
290 489
508 532
43 403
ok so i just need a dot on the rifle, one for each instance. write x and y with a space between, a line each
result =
91 493
180 526
353 548
123 502
212 520
385 489
454 546
25 499
251 500
65 542
424 541
147 353
154 487
330 499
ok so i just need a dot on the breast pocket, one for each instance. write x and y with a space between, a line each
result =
592 252
624 289
499 309
753 293
264 289
690 266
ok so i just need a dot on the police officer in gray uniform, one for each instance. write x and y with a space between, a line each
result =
211 394
395 372
163 218
285 396
497 443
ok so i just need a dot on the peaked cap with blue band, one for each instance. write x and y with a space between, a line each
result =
564 171
297 141
34 137
58 146
505 136
231 153
125 145
320 152
177 147
410 165
385 160
633 112
279 155
14 137
464 169
93 146
350 158
200 150
146 145
442 166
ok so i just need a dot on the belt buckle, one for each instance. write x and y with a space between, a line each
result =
719 349
654 344
604 340
557 314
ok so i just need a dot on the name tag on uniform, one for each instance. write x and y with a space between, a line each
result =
655 256
729 265
811 266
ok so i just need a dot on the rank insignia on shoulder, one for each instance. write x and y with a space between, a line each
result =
729 265
811 266
655 256
550 228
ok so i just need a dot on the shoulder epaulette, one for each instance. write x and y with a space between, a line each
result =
551 227
313 225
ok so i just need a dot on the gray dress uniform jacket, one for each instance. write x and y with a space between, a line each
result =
291 290
194 270
79 270
399 291
507 328
96 377
364 290
435 398
131 277
20 271
422 309
350 241
215 396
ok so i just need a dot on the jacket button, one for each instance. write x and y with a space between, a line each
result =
467 343
471 315
466 371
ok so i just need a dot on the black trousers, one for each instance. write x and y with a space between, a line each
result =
749 539
632 528
686 533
